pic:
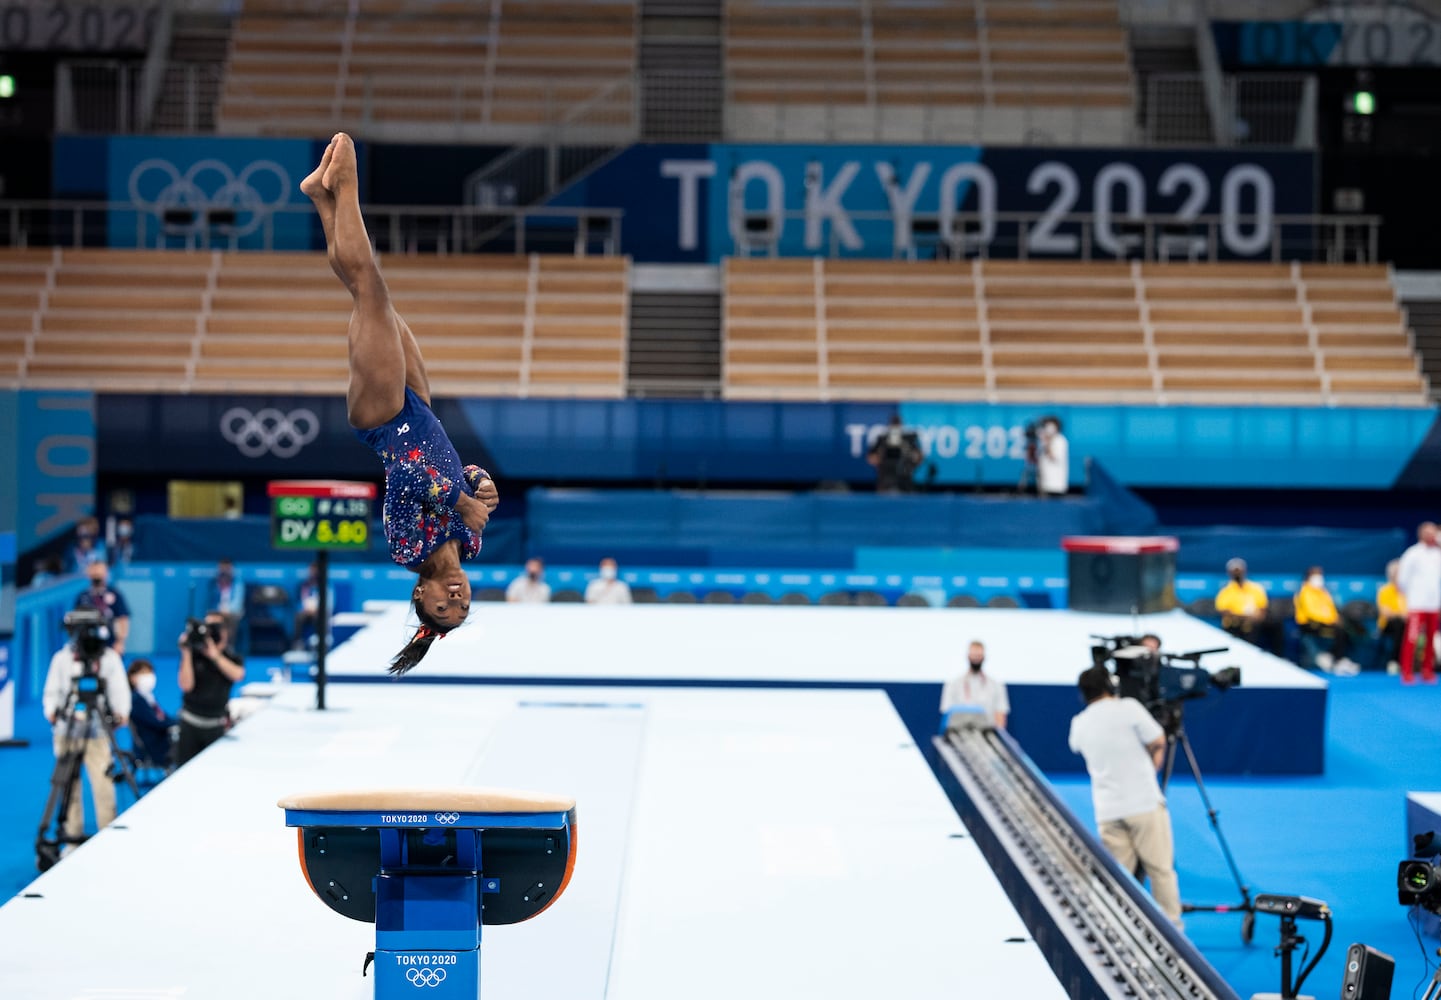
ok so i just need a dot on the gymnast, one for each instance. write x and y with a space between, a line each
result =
434 509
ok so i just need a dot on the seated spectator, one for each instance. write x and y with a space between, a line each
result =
1242 604
1390 621
102 597
123 551
607 588
149 723
227 596
977 690
87 548
1323 636
47 570
530 588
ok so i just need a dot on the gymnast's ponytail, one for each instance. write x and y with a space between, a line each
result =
419 644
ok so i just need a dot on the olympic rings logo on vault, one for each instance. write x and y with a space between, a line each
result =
425 977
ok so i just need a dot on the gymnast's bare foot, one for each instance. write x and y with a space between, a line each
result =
313 187
341 171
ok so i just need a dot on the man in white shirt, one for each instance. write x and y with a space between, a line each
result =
531 587
1053 460
608 588
79 731
977 691
1419 580
1124 747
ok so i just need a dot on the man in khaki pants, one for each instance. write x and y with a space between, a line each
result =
82 731
1124 747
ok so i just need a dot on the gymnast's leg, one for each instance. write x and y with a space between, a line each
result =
384 358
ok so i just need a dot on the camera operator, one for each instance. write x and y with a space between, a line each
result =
108 601
208 667
1053 459
1124 747
896 454
86 652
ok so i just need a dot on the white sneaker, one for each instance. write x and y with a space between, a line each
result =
1324 662
1393 668
1347 668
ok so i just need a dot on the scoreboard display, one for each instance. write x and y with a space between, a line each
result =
320 514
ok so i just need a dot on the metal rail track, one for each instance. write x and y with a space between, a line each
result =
1124 944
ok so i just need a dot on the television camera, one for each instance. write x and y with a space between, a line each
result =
89 632
1418 881
1161 681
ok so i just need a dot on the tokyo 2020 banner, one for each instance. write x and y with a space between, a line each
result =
705 202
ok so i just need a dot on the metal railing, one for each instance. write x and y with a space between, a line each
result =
396 229
1245 109
1098 236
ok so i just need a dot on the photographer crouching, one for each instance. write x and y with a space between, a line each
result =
208 667
80 672
1124 747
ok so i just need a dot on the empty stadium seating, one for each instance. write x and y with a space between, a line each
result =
174 321
1040 331
793 328
897 69
304 70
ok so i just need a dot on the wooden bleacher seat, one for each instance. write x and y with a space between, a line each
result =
303 72
1032 330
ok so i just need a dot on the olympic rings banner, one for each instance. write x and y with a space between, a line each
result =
194 191
645 442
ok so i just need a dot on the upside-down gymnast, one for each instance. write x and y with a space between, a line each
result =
434 509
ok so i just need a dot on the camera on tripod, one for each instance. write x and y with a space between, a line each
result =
89 632
199 632
1160 681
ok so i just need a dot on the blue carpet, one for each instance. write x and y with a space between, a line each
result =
1337 838
25 774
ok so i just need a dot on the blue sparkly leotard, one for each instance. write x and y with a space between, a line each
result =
423 481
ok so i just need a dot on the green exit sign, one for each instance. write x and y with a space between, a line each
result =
320 514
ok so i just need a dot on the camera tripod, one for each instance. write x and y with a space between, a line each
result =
87 701
1174 724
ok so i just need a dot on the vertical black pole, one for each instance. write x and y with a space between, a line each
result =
322 626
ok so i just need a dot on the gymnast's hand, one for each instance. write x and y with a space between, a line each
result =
487 494
473 512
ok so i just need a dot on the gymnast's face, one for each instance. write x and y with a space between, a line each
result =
447 600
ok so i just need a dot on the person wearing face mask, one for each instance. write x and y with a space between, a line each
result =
529 588
1390 621
1419 579
1242 604
975 691
88 547
122 553
607 588
149 723
1321 627
102 597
